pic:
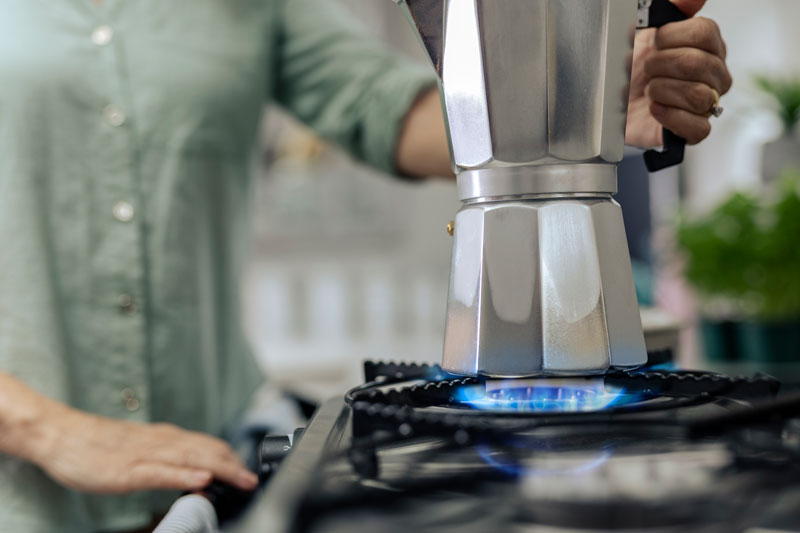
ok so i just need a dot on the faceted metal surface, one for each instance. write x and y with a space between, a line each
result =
531 82
541 288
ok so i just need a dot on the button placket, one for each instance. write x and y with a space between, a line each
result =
120 260
102 36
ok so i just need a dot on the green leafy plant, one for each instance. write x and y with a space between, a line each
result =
747 251
786 94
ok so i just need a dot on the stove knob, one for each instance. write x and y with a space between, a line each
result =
273 450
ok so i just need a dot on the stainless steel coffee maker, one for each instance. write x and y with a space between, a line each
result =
535 96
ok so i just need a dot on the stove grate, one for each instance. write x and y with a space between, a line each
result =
406 401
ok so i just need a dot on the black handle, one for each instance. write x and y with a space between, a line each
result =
671 155
663 12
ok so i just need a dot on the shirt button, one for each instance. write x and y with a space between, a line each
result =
113 115
126 303
122 211
102 35
129 399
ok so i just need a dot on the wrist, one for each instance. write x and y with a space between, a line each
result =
44 429
30 429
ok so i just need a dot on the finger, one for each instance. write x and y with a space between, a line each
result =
689 64
215 446
226 466
689 7
698 32
160 476
228 470
692 96
693 128
199 453
179 445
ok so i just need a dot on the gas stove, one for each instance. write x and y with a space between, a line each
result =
654 450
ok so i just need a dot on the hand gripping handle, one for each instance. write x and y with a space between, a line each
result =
660 13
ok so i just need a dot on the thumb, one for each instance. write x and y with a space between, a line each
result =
689 7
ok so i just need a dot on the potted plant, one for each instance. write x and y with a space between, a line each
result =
785 151
743 261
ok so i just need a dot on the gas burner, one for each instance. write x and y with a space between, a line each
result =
573 395
654 450
413 400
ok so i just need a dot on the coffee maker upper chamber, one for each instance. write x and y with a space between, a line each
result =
535 98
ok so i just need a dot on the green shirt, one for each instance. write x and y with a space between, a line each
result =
127 134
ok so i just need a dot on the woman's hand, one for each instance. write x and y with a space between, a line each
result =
678 71
94 454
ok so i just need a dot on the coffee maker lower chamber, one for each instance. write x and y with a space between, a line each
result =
541 284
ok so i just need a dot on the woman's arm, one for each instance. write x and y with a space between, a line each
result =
96 454
422 144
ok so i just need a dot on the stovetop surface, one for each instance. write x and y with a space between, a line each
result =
651 451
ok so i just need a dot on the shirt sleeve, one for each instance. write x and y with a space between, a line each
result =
352 90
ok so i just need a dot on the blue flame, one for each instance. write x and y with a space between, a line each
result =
545 396
670 367
516 469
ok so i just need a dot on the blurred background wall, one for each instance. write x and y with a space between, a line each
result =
348 264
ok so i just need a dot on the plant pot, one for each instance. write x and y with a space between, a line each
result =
770 342
720 340
779 155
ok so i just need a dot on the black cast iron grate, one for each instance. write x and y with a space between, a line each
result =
395 405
